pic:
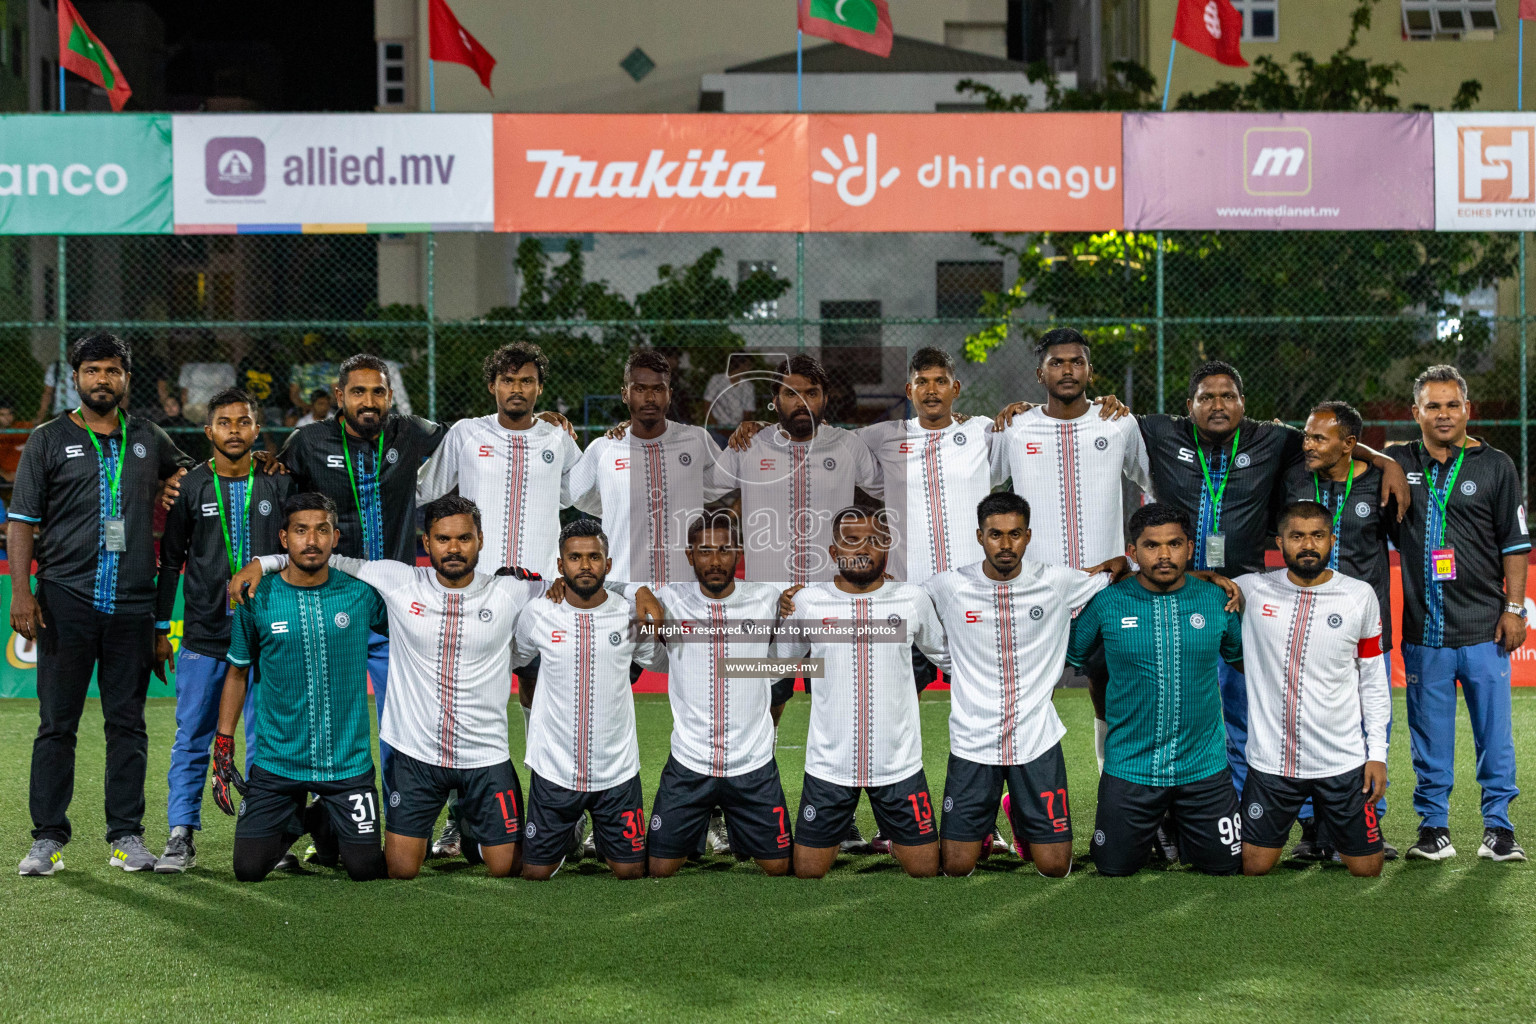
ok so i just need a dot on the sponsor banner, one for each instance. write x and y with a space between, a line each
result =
85 174
1279 171
258 173
965 172
650 172
1485 172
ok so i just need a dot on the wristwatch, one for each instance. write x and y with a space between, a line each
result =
1515 609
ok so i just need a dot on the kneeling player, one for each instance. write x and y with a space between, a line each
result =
306 632
1164 634
1318 702
865 735
582 747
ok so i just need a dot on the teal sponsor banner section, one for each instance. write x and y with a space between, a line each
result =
85 174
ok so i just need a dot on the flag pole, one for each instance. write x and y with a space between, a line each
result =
432 85
1520 69
1173 45
799 235
799 70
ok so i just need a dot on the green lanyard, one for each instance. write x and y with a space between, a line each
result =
115 485
1338 513
378 463
236 563
1216 492
1442 496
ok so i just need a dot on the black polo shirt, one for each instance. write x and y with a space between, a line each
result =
62 485
1360 548
386 488
1255 486
1485 514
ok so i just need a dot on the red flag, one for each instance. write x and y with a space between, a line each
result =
1528 10
81 52
1213 27
449 42
861 24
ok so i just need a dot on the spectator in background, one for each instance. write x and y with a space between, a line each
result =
199 382
319 409
311 372
56 400
10 444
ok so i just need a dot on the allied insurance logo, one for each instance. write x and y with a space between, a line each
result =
1277 161
235 166
1495 164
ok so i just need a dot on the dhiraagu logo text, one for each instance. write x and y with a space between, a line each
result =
85 174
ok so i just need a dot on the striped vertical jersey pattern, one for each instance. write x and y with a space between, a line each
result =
789 493
1360 548
932 481
309 649
647 491
1318 698
1071 473
581 734
1007 642
720 726
1163 700
864 727
519 479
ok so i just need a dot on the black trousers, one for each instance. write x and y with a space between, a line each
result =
76 640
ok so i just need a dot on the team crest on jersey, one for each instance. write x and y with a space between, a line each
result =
614 638
829 463
959 439
1101 443
1469 487
1363 509
685 459
485 615
1197 621
392 456
139 449
1335 620
893 618
949 804
265 507
549 456
1242 461
655 822
343 620
810 813
1037 613
1098 837
1255 810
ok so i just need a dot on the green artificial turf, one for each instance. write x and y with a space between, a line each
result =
1425 942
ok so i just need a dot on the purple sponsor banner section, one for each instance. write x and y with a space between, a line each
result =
1297 172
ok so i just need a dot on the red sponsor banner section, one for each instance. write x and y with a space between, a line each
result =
650 172
966 172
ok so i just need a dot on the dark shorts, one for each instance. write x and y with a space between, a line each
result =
753 802
1039 814
902 811
490 800
784 689
1205 812
1271 802
274 806
618 821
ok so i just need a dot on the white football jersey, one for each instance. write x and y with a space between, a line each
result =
720 726
519 478
647 492
581 734
865 729
789 494
933 481
1007 642
1318 697
1069 471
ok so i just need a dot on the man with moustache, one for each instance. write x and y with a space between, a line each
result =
226 514
1317 698
89 480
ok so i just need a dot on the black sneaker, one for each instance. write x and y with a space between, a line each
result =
1499 844
855 843
1165 848
1388 851
1307 847
180 854
1434 844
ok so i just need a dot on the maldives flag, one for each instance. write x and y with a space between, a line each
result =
1213 27
81 52
449 42
861 24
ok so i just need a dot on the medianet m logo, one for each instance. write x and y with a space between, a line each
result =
235 166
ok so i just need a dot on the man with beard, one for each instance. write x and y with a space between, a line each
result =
226 514
865 733
1317 698
299 648
89 479
583 751
1164 635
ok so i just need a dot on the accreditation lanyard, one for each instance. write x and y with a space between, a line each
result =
1443 558
1338 513
236 557
351 475
1216 541
114 533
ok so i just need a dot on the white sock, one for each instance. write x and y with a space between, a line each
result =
1100 732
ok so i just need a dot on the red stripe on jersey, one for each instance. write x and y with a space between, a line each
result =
656 497
801 521
1007 649
586 654
1071 496
863 700
1295 674
719 697
450 637
933 488
1370 647
516 497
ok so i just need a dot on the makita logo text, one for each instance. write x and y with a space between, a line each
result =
567 175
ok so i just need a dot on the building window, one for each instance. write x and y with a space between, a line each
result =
989 37
960 286
746 269
391 74
850 352
1261 20
1430 19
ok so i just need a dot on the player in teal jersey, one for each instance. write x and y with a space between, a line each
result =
1164 635
308 633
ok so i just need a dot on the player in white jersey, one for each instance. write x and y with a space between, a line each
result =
583 751
722 730
865 733
649 482
1007 620
1318 701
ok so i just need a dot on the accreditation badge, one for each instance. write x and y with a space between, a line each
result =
1442 563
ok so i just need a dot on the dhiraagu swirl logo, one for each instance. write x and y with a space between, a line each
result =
85 174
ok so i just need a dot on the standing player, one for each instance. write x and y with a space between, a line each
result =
583 751
301 644
1464 546
1164 634
865 733
1006 622
89 480
1317 698
226 514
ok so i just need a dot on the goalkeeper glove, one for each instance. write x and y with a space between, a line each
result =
518 572
225 773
